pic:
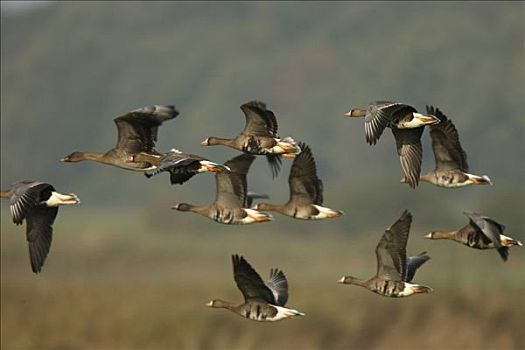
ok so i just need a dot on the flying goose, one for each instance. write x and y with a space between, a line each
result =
181 166
451 160
306 191
481 232
394 270
406 124
37 203
230 206
262 301
259 136
137 132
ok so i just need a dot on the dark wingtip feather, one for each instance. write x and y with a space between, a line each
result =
436 112
504 253
254 104
235 260
275 162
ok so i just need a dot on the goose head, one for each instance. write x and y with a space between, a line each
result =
347 280
182 207
430 235
217 303
73 157
356 113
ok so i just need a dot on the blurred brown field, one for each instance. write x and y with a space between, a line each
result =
113 282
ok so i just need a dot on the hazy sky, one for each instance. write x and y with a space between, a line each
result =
18 6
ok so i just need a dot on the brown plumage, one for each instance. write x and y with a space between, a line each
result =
230 206
37 203
137 133
481 232
259 136
407 126
262 301
394 270
306 191
451 168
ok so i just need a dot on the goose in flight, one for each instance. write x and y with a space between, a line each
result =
231 202
263 301
406 124
37 203
306 191
137 133
481 232
259 137
181 166
395 270
451 169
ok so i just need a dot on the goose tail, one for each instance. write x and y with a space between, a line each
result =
479 180
287 147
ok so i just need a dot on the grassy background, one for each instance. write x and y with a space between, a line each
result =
126 272
117 284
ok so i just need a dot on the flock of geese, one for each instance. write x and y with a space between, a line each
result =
38 202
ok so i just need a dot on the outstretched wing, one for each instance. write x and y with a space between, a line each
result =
39 234
279 286
249 282
448 152
413 263
232 186
380 114
137 130
181 166
259 120
410 151
303 180
491 229
391 250
25 195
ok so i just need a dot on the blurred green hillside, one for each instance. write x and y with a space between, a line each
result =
69 68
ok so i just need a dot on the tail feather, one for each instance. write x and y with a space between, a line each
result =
486 178
255 216
421 289
480 180
297 313
287 145
507 241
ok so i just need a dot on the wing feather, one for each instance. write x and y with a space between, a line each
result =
391 250
137 130
249 282
260 121
448 153
381 114
410 151
232 186
303 180
278 284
